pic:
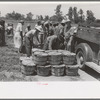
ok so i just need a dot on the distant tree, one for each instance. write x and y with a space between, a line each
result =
54 18
46 17
75 15
81 17
58 13
58 10
90 16
15 16
70 13
29 16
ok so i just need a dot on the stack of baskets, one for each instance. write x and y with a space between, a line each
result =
41 60
69 59
55 62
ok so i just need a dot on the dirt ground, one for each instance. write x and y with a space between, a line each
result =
9 62
10 67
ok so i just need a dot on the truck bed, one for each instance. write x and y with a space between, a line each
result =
90 34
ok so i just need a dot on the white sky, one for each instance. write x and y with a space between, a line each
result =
47 8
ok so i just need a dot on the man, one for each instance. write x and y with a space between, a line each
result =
28 28
55 26
51 30
10 29
38 23
69 33
54 42
31 36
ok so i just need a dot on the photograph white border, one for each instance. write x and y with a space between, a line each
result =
49 90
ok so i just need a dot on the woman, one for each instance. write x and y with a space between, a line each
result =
18 36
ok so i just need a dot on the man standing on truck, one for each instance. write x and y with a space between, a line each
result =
69 33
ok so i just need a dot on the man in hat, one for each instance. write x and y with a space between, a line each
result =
31 36
69 33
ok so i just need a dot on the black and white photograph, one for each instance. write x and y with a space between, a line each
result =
50 41
49 50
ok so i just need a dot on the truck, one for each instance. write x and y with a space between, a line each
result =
87 47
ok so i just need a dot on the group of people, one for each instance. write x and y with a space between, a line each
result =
45 35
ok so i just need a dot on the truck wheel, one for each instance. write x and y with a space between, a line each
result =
80 59
83 53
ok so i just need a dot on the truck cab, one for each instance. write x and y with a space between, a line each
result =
87 47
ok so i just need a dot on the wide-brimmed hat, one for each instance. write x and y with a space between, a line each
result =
39 28
47 22
65 21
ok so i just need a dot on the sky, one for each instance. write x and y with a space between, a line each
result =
47 8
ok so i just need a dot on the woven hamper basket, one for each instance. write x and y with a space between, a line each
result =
58 70
24 58
72 70
36 50
44 70
69 58
55 58
40 58
28 68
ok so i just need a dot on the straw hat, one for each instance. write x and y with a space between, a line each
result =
47 22
39 28
65 21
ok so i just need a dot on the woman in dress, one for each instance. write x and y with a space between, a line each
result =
18 36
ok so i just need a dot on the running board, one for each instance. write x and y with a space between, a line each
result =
93 66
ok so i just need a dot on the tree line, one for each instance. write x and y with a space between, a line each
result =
73 14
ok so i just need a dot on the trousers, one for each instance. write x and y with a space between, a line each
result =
28 46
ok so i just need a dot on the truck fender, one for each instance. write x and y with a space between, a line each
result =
86 49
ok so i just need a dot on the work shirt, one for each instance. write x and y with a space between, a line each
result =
51 31
30 33
53 43
59 30
69 31
33 37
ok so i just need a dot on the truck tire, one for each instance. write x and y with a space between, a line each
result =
84 53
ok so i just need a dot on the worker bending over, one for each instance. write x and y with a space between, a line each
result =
30 37
54 42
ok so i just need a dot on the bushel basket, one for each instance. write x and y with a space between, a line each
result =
44 70
28 68
58 70
72 70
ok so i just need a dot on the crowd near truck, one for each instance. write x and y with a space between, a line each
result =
87 47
